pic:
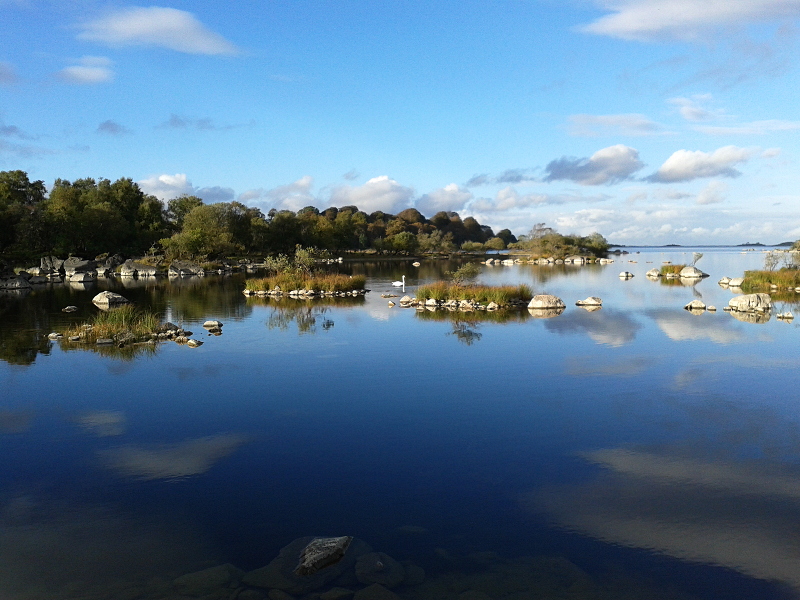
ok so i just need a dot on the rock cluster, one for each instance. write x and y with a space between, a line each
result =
277 292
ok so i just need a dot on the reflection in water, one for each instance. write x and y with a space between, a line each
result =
756 318
102 423
303 315
172 461
466 332
681 326
76 552
14 422
466 324
720 512
590 366
606 327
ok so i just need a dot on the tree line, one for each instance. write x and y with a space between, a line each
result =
89 217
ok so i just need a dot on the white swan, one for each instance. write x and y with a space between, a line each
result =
399 283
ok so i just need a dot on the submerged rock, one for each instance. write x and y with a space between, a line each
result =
208 581
378 567
321 553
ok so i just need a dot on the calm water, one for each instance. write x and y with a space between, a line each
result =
656 451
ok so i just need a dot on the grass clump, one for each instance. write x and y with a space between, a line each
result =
444 291
755 281
298 280
671 269
122 324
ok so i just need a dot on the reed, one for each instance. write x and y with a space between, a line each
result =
126 322
667 269
293 280
755 281
443 291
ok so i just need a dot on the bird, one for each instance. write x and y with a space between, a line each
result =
399 283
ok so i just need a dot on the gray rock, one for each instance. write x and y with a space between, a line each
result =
179 268
108 299
695 305
736 282
75 264
751 302
321 553
724 281
82 277
378 567
546 301
654 273
691 272
50 264
212 324
279 573
375 592
625 275
15 283
590 301
208 581
104 341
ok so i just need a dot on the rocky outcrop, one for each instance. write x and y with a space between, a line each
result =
180 268
75 264
691 272
108 299
546 301
751 303
135 269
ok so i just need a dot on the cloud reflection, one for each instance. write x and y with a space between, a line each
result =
102 423
172 461
682 326
604 326
725 513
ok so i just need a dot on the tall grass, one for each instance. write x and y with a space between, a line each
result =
668 269
755 281
444 291
125 320
287 281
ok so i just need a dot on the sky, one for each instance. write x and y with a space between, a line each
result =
648 121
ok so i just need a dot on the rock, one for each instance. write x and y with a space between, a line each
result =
415 574
492 306
691 272
15 283
56 336
545 313
75 264
654 273
695 305
50 264
751 302
625 275
108 299
208 581
711 308
321 553
378 567
431 302
194 343
724 281
179 268
757 318
104 341
336 593
391 303
212 325
279 573
546 301
406 300
590 301
82 277
375 592
736 282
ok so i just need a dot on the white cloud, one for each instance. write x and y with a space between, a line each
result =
89 70
156 26
684 327
379 193
646 20
509 199
449 198
686 165
713 193
752 128
691 109
606 166
625 124
167 187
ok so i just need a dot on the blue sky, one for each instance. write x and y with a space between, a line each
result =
650 121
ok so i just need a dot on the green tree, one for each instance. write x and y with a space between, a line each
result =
179 207
21 212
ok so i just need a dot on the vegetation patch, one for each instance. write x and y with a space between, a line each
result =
760 281
672 269
125 324
323 282
546 242
447 291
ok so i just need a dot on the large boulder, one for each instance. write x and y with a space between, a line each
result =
15 283
751 302
75 264
691 272
280 572
109 300
736 282
179 268
653 273
50 264
546 301
82 277
590 301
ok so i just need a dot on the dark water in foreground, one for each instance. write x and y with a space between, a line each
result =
634 452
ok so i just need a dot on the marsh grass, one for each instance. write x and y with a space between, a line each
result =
759 281
444 291
126 322
326 282
667 269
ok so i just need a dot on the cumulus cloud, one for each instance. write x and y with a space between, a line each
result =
158 27
167 187
7 73
379 193
606 166
686 165
449 198
713 193
624 124
90 70
111 127
647 20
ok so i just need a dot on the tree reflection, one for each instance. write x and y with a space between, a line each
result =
465 332
303 315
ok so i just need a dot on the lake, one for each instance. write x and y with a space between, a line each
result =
638 451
